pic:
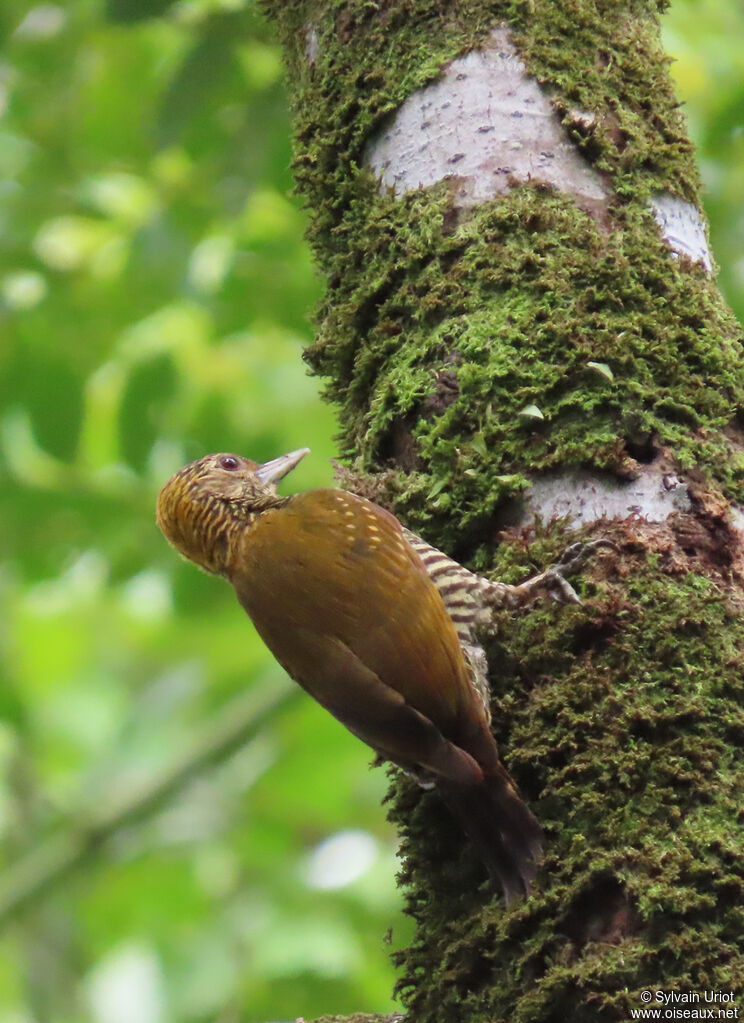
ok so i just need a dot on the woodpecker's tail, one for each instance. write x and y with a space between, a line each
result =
504 831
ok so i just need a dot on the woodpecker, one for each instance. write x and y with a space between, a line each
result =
374 623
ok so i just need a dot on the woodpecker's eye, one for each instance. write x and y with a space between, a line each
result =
229 462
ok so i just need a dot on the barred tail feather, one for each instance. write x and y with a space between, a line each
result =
503 830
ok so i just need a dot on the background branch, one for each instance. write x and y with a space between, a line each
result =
86 831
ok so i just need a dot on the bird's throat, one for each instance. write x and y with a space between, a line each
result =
214 532
201 526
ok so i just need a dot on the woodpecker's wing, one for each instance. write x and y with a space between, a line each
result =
373 711
348 608
335 566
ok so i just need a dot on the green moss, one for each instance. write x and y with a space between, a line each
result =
622 720
513 299
513 304
622 726
602 56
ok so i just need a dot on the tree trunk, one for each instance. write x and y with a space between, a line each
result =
524 339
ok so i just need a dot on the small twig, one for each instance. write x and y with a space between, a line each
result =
34 874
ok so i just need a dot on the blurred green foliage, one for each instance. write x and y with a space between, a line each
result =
154 300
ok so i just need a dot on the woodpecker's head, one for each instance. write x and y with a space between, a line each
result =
203 504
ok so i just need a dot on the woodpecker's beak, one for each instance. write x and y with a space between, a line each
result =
277 468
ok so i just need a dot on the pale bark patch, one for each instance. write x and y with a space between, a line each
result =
584 497
312 44
682 228
486 124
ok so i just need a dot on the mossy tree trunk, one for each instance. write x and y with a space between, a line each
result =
525 341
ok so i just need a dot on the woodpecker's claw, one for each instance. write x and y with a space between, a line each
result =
559 589
573 558
577 555
553 582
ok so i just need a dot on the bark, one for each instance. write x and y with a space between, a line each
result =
525 340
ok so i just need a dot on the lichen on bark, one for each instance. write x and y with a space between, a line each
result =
439 327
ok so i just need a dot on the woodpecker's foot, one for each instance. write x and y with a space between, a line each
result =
553 581
577 555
